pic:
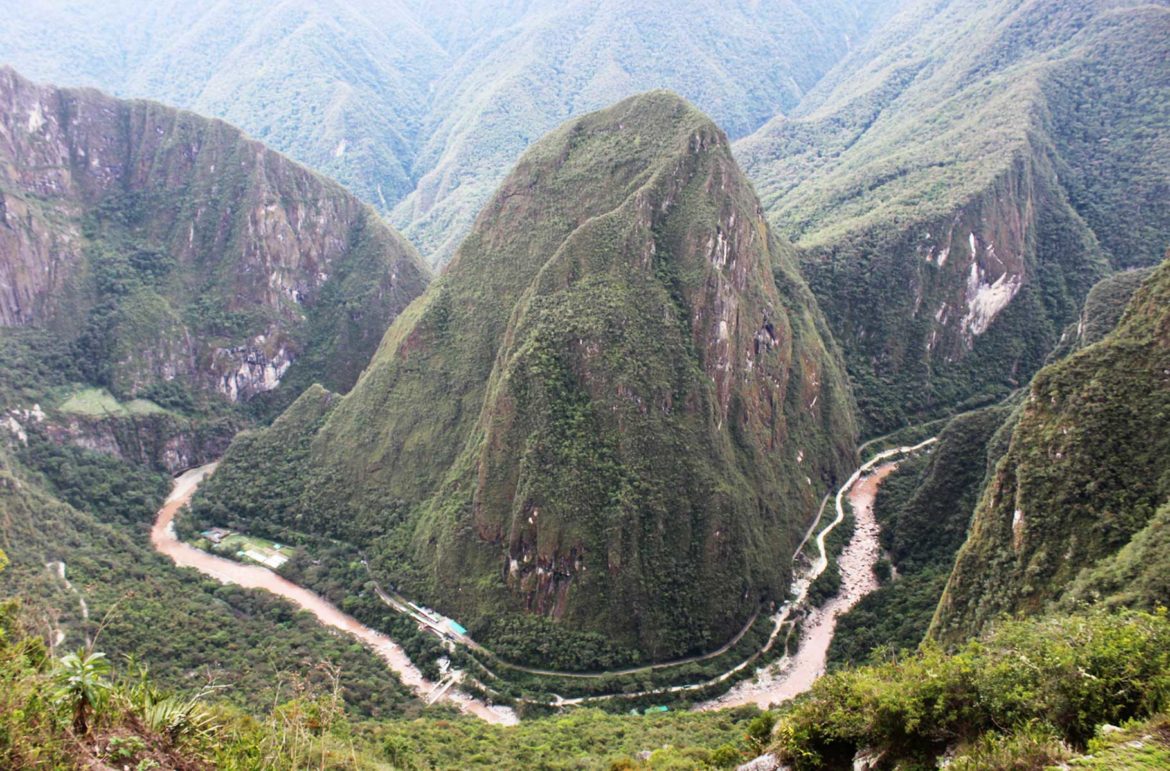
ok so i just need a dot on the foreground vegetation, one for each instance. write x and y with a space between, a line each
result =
80 711
1030 692
581 739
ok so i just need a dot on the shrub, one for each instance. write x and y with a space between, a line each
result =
1059 676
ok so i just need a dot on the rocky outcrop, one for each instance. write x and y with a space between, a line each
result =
958 185
174 247
762 763
161 440
164 442
972 301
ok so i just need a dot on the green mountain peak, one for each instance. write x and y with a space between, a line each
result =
618 408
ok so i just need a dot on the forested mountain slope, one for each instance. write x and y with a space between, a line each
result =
156 270
434 101
1076 510
168 247
958 184
74 525
619 408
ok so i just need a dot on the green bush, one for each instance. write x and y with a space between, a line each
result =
1063 675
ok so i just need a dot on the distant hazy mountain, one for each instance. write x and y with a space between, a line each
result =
342 87
740 62
387 96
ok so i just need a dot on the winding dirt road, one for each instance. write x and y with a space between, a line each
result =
164 540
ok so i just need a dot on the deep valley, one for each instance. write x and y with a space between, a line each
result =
585 385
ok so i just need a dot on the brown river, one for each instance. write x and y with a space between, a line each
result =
791 676
796 673
163 537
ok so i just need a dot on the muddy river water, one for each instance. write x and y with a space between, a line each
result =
791 676
164 540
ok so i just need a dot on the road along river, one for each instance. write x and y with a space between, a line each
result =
795 674
163 537
790 676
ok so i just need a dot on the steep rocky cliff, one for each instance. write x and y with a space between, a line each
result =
1077 509
958 184
166 246
618 409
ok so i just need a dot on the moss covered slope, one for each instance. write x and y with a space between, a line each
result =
1079 498
958 184
617 409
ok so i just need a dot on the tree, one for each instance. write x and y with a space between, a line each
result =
81 684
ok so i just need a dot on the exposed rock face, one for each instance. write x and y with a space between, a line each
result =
974 265
161 440
618 408
972 301
164 442
182 249
762 763
257 370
